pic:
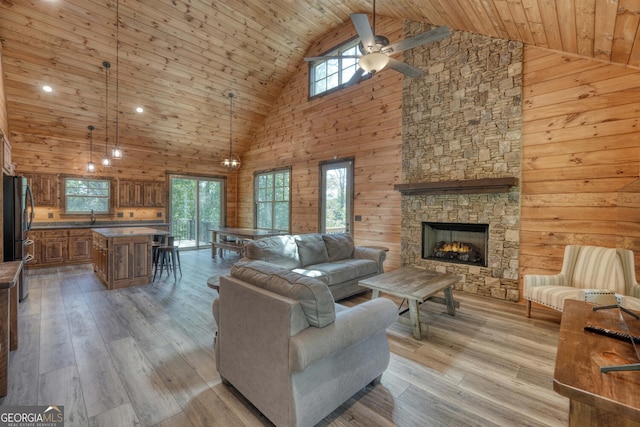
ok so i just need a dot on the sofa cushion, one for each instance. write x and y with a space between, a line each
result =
335 272
280 250
363 267
314 296
339 246
311 249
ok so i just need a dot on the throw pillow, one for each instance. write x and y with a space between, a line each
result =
311 249
339 246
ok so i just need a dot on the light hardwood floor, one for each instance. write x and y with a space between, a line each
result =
144 356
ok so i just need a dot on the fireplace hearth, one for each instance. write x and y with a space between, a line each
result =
455 242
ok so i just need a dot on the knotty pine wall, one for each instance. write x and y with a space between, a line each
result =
581 146
301 133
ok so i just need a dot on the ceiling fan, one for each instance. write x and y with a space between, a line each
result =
376 49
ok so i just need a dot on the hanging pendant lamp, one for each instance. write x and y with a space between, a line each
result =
91 167
105 160
116 153
231 162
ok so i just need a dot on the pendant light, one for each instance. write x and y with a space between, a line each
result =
116 153
105 160
91 167
231 162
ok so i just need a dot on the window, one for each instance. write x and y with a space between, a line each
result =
334 73
272 190
336 196
81 196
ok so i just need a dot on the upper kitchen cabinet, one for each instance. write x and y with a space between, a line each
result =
154 195
141 194
44 188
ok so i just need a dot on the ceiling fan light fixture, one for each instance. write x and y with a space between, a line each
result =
373 62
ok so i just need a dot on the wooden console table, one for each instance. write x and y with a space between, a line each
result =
596 399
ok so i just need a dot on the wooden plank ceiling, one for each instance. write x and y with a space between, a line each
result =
178 59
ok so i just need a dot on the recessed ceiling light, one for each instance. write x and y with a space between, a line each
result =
139 109
47 88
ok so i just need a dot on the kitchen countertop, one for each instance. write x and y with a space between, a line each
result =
98 224
9 272
128 231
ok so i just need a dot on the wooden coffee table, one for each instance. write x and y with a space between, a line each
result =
416 285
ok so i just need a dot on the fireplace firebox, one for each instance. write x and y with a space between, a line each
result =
455 242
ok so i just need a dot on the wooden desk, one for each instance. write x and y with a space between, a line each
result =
416 285
239 235
9 274
596 399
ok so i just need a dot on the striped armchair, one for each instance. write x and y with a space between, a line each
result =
589 273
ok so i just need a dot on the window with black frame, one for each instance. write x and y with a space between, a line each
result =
334 74
272 200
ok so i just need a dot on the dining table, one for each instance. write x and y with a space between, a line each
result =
234 238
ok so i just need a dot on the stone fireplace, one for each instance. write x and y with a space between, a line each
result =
462 130
455 242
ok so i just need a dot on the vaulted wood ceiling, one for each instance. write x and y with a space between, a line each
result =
179 59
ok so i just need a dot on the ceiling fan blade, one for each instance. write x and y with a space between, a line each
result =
356 76
324 58
424 38
361 22
406 69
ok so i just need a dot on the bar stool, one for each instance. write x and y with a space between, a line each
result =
168 258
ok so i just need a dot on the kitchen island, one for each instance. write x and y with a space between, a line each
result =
122 256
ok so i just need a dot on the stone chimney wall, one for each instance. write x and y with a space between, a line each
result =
463 120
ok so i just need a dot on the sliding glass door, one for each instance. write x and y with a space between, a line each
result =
197 203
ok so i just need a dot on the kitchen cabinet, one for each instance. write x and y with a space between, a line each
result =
122 256
54 247
80 242
130 194
44 188
154 195
141 194
62 246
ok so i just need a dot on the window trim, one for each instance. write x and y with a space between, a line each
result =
333 51
256 174
63 195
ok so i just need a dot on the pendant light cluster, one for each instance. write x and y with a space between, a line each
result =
116 152
91 167
231 162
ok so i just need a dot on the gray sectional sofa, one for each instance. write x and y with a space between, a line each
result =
331 258
289 349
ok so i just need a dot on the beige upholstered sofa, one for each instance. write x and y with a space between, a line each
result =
330 258
589 273
289 349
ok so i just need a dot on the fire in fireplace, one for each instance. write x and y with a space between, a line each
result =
455 242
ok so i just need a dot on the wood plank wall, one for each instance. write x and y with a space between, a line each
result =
581 145
301 133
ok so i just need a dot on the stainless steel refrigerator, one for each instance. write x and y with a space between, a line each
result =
17 218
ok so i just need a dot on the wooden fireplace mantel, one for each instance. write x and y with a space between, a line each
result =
465 186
